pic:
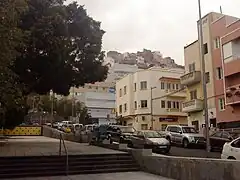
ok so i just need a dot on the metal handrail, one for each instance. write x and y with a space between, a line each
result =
65 148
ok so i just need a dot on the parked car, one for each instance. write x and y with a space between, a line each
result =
66 128
120 134
219 138
184 135
231 150
150 140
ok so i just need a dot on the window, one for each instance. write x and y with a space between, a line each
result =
177 86
227 50
169 104
193 94
207 74
219 73
125 107
221 104
135 86
168 86
205 48
191 67
125 89
144 126
143 103
120 92
143 118
217 43
236 144
162 85
104 88
177 105
135 104
163 104
120 109
143 85
173 86
174 104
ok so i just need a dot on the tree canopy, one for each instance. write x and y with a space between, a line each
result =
46 45
62 49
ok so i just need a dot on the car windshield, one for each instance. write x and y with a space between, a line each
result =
152 134
127 129
189 130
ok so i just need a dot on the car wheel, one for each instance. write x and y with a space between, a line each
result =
232 158
130 145
166 151
185 143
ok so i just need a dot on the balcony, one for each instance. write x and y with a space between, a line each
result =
175 112
233 95
191 78
176 93
192 106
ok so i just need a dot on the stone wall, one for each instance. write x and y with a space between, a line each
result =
54 133
181 168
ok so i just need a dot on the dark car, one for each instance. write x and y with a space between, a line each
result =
219 138
120 134
150 140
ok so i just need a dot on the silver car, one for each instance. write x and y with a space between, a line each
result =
149 140
184 135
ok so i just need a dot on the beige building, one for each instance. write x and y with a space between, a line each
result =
193 75
151 90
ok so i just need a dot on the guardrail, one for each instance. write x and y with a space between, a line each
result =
230 130
61 139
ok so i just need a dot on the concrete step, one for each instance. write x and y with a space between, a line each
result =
71 172
56 165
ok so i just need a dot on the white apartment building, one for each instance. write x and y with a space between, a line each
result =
117 71
99 98
134 99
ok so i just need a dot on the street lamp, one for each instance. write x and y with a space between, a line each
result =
152 106
200 34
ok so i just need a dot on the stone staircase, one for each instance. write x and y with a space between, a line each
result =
38 166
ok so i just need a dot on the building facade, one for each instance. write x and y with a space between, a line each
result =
215 28
99 98
146 100
117 71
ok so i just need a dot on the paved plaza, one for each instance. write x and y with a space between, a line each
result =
44 146
109 176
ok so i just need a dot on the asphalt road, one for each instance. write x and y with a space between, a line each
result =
193 152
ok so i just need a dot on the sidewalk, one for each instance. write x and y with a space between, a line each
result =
109 176
44 146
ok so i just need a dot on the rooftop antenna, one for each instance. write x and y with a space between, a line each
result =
221 9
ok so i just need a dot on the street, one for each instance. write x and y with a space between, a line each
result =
193 152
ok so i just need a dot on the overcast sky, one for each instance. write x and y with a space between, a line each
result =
163 25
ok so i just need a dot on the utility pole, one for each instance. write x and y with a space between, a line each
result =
73 101
52 106
200 33
152 105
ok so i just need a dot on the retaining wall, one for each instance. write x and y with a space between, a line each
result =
184 168
54 133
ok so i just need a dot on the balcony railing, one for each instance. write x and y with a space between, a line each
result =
191 78
192 106
233 95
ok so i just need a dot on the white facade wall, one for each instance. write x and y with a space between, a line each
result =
118 71
100 105
151 76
